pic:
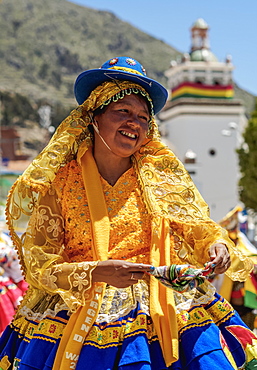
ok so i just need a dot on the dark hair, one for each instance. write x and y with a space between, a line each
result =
99 110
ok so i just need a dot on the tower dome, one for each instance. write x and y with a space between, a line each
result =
203 55
200 23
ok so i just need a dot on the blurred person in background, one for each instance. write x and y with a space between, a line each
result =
12 284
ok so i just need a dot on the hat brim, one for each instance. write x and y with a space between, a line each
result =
88 80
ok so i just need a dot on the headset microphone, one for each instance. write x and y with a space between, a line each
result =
96 128
98 133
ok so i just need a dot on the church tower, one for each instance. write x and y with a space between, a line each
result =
202 122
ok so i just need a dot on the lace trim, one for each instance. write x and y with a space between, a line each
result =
119 302
38 316
36 305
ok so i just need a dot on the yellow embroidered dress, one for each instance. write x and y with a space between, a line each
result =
153 214
123 336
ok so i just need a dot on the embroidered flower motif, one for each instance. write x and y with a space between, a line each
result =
113 61
220 307
131 61
115 334
142 320
80 280
54 227
42 217
52 328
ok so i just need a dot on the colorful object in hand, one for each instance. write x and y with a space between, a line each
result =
181 278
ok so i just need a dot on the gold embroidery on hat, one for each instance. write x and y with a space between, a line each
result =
125 69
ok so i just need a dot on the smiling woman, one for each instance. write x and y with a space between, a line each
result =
112 215
122 129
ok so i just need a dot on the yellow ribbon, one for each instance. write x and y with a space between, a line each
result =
162 305
82 320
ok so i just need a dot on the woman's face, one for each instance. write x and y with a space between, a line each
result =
123 125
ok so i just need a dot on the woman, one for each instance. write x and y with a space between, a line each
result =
105 202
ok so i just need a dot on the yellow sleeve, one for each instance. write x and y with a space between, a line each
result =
193 240
47 265
41 248
199 236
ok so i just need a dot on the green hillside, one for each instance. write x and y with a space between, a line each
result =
45 44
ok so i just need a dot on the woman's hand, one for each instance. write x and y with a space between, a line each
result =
118 273
219 257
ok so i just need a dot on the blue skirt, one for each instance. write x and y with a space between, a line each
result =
211 337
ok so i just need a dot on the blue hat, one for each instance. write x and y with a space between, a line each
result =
122 68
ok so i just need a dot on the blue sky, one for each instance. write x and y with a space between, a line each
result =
233 27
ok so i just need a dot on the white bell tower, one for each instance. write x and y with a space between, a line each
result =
202 122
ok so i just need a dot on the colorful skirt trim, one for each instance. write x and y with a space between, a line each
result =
211 337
